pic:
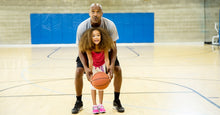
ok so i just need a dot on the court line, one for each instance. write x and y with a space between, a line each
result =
126 93
196 92
48 56
181 78
31 83
20 85
132 50
162 82
34 84
118 44
60 93
214 97
130 93
198 79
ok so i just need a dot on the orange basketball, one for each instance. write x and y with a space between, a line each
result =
100 80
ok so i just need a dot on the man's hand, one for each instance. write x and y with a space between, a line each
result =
110 71
88 73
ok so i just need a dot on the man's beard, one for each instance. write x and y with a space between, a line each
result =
95 25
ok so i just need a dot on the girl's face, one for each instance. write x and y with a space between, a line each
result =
96 37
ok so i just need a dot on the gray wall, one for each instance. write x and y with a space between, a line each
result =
175 20
211 10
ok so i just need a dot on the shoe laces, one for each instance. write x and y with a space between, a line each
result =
101 106
77 104
119 103
95 107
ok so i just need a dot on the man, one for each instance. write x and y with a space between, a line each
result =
96 20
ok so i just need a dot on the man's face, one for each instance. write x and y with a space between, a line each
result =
95 14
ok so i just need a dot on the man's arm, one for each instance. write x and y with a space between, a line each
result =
114 34
89 72
83 59
113 58
107 64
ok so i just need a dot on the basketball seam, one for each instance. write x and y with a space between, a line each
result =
102 84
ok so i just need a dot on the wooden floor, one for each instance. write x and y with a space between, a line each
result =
158 79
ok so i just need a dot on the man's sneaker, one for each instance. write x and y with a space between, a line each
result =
78 106
95 109
118 106
101 108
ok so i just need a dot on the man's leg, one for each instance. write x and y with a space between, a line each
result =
117 79
117 88
78 87
79 81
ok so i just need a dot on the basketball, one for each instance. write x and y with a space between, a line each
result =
100 80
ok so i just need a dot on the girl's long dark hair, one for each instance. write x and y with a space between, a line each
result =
86 43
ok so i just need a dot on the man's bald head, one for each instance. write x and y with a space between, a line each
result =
96 5
95 14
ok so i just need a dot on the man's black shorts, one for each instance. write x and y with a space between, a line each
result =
79 63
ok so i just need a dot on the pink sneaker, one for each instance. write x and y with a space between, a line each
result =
101 108
95 109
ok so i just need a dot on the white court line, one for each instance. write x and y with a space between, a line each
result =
118 44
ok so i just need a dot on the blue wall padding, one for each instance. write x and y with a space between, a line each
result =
61 28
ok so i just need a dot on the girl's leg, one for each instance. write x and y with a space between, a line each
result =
101 107
95 109
101 96
93 93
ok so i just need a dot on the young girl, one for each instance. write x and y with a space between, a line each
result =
96 42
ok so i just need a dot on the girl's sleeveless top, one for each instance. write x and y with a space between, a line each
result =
98 58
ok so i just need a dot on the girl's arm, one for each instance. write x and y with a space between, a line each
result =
89 55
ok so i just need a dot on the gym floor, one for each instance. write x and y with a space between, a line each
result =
158 79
